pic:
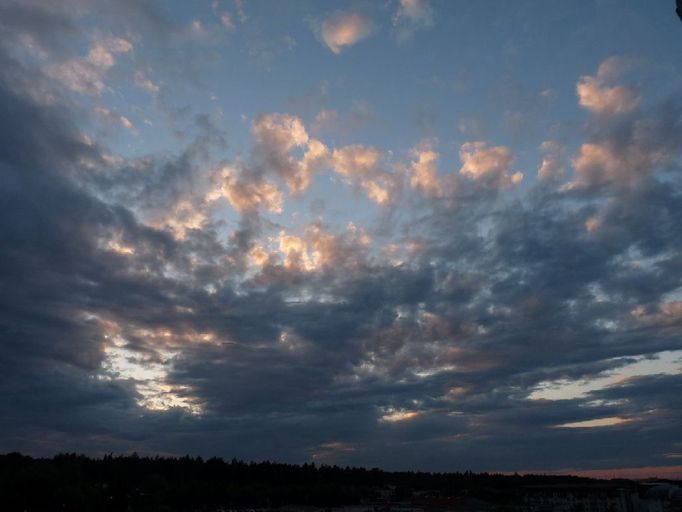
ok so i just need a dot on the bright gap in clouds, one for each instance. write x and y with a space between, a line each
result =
148 378
600 422
667 363
147 371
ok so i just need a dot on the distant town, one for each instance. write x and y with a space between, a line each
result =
132 483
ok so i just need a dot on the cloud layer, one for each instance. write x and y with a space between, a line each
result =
203 294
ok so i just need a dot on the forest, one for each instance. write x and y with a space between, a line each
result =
134 482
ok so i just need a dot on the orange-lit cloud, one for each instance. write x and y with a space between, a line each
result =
361 166
119 248
595 96
276 136
490 165
603 163
593 224
319 249
343 29
667 313
391 415
356 160
246 195
315 249
424 170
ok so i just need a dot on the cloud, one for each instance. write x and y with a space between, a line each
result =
276 135
326 119
107 116
344 123
226 20
245 194
319 249
424 170
145 83
361 166
182 218
345 28
626 154
86 75
596 96
410 16
135 298
488 165
357 160
553 164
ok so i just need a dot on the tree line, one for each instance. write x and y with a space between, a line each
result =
133 482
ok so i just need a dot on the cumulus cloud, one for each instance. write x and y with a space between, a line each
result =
362 166
344 29
488 165
182 218
595 95
596 163
357 160
246 194
276 135
424 170
627 154
319 249
553 163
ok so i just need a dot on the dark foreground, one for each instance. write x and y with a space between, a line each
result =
74 482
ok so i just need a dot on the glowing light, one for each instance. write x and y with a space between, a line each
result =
119 248
666 363
147 370
396 415
592 224
148 378
600 422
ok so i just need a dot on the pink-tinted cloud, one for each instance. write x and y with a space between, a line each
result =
362 166
424 170
276 136
595 95
553 163
489 165
86 75
246 194
345 28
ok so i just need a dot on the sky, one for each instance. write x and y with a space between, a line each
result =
408 234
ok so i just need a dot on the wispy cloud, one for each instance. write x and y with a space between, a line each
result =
410 16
